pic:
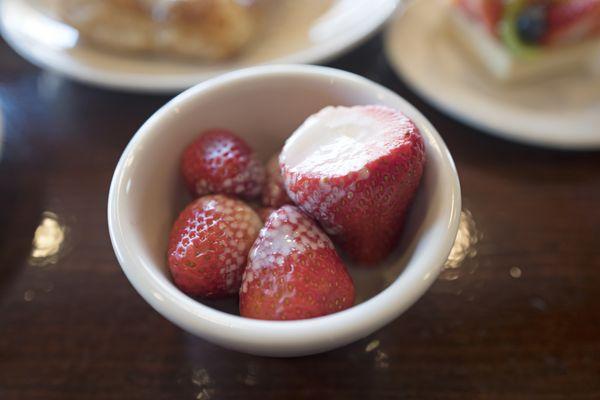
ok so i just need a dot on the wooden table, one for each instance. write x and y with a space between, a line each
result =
516 316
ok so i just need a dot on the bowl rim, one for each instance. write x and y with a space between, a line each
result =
344 326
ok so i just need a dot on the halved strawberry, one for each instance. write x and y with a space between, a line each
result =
294 271
220 162
209 245
356 170
273 194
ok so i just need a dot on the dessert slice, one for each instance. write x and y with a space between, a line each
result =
206 29
524 39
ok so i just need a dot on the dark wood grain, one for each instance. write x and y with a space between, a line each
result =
517 319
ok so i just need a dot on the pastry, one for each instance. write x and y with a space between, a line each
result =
206 29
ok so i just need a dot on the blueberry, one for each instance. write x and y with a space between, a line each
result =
532 23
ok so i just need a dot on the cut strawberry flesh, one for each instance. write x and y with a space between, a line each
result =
338 141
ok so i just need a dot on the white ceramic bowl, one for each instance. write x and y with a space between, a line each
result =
264 105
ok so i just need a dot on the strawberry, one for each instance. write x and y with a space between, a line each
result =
492 13
572 21
273 194
294 271
488 12
264 213
220 162
209 245
356 170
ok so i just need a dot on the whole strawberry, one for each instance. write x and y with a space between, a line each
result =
220 162
209 245
356 171
264 213
294 271
273 194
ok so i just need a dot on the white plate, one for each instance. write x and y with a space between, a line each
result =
563 112
302 32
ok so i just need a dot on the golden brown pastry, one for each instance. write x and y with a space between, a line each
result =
209 29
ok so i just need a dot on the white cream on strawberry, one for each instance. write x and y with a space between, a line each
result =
293 271
336 141
287 231
238 184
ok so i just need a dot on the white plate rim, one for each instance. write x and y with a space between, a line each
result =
68 65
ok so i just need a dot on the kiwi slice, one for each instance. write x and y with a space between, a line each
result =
509 32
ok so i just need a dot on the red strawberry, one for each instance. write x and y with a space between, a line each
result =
356 171
492 14
209 245
220 162
294 271
264 213
488 12
573 20
273 194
